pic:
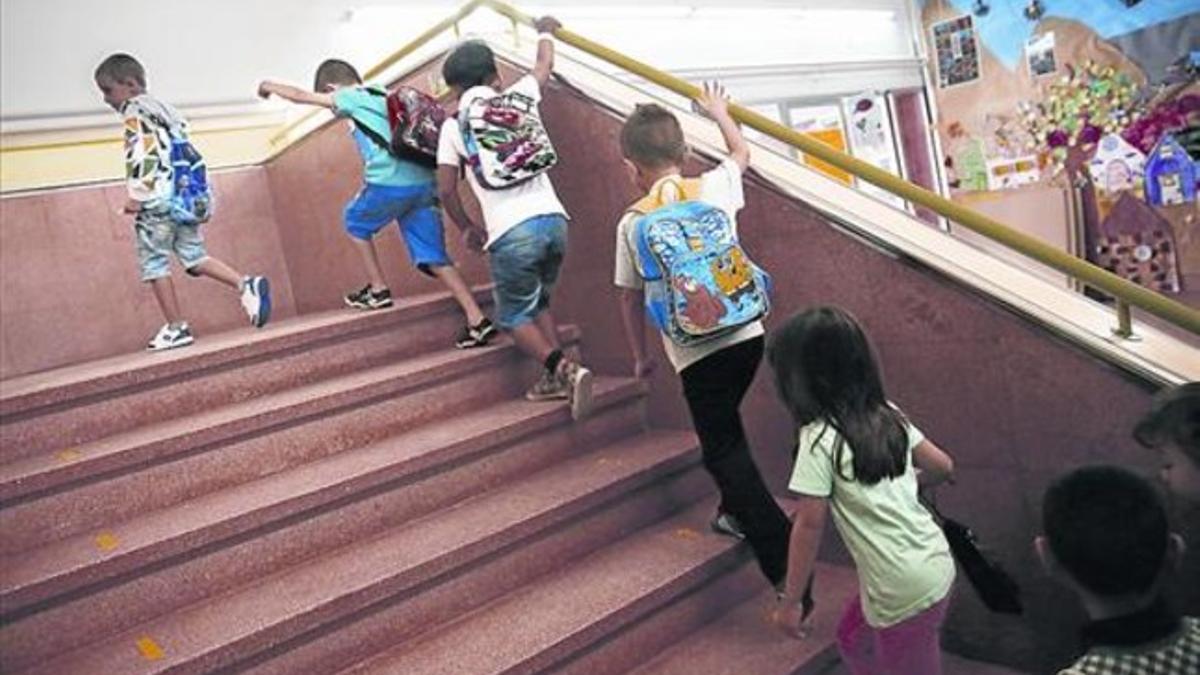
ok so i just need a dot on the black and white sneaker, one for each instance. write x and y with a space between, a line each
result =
725 524
256 300
170 337
475 336
365 298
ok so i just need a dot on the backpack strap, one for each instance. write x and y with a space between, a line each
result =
688 188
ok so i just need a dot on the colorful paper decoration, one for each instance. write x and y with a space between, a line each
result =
957 47
1138 244
1117 165
1170 174
870 134
1006 174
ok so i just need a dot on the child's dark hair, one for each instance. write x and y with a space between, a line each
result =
471 64
335 72
1174 417
653 138
825 371
120 68
1107 528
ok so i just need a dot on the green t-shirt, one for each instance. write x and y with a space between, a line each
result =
903 560
380 167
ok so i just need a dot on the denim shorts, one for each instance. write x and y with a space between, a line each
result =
157 237
414 208
525 263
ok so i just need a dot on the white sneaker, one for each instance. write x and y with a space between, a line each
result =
170 338
579 388
256 300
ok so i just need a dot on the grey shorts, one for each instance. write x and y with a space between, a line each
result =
157 237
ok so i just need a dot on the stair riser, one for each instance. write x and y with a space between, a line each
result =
389 623
253 555
408 581
251 448
67 425
640 642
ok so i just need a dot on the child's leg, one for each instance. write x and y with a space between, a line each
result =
366 251
855 640
450 276
215 269
425 238
912 647
714 388
254 292
164 293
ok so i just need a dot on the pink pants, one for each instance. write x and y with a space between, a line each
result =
908 648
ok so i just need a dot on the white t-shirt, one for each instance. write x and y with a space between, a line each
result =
507 208
903 560
722 188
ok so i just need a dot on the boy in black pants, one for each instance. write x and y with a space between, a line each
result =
716 374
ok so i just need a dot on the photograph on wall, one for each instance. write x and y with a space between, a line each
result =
1039 54
957 48
869 128
823 123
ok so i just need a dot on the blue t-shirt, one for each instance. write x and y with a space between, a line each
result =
379 166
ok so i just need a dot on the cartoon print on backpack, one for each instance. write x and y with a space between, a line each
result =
701 309
505 141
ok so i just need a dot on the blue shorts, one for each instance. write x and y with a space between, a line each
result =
525 263
414 208
157 237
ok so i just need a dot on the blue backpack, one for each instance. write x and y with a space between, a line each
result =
700 284
192 199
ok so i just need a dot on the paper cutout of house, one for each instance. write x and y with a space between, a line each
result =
1117 165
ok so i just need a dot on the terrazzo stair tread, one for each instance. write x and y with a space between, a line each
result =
224 630
742 641
306 359
65 622
542 626
74 562
47 471
21 395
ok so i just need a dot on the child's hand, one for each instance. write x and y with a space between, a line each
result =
474 238
547 24
713 101
788 617
131 206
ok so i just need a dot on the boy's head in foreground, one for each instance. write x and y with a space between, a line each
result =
1173 427
334 74
1106 537
652 143
471 64
120 77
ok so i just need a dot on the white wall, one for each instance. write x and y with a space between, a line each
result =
214 52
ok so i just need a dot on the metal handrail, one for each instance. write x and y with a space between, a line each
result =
1126 293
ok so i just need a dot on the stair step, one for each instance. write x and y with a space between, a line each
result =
742 641
72 563
65 622
113 479
235 626
60 409
543 626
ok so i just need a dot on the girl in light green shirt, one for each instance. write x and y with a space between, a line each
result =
860 458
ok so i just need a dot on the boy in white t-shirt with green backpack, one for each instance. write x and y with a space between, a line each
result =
498 141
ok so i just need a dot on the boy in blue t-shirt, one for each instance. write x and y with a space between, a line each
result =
394 189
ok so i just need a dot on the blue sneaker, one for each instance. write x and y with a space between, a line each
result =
256 300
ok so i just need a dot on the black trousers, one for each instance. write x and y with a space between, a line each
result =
714 388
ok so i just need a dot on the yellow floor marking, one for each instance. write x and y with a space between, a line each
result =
69 455
687 533
149 649
107 541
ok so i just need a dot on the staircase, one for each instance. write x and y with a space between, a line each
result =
344 493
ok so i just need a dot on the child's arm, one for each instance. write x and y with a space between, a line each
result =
447 180
808 524
545 51
714 101
295 94
933 464
633 318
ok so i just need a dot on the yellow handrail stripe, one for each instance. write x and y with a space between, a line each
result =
117 140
